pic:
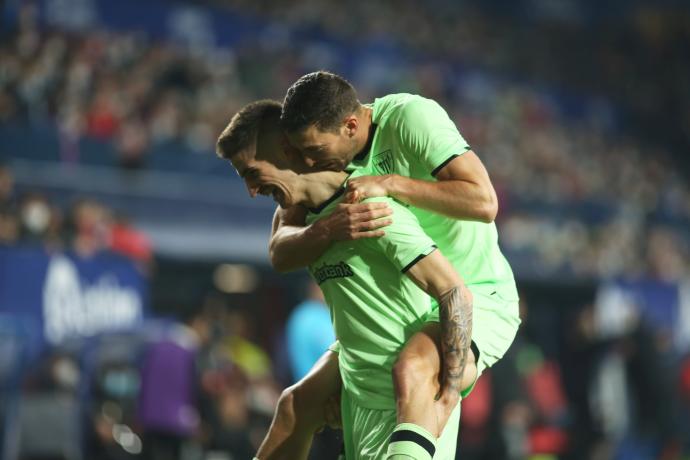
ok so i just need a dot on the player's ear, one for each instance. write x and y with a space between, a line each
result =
351 125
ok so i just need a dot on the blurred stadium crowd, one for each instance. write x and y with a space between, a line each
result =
578 194
87 228
586 195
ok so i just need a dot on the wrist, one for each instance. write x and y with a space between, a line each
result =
320 231
393 184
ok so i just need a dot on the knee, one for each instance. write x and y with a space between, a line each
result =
286 410
412 373
296 409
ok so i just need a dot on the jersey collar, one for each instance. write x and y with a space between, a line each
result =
367 148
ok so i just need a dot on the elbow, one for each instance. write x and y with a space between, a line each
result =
457 289
279 264
485 208
489 211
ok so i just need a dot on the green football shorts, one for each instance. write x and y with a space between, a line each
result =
366 432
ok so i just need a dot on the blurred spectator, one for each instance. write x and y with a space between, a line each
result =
309 332
234 411
40 222
167 408
241 350
127 240
231 432
9 222
6 186
90 222
9 227
582 357
132 144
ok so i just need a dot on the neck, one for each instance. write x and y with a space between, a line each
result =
365 133
318 187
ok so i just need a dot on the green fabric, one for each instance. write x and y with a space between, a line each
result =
374 308
414 136
366 431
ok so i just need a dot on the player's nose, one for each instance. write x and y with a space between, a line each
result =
252 189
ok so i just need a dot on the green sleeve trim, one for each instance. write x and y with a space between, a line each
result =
448 160
417 259
324 205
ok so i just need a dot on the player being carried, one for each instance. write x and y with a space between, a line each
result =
372 287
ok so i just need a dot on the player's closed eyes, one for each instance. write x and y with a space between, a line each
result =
316 149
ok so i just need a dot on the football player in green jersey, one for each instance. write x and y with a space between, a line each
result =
376 310
406 147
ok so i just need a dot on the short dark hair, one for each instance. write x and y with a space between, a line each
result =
241 132
319 98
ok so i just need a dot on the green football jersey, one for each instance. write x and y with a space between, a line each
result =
374 307
414 137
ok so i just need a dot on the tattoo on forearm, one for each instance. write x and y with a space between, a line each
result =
456 335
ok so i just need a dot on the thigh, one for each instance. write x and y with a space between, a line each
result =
426 345
322 381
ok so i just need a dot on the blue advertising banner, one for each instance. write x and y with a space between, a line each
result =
65 296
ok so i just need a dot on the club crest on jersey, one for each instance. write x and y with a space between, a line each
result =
327 272
383 162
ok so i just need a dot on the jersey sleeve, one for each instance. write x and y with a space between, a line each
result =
427 132
404 242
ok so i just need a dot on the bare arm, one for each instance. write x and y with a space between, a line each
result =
463 190
437 277
295 245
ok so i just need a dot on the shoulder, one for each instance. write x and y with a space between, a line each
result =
418 107
407 110
393 105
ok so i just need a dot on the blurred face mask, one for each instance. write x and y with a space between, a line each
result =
36 216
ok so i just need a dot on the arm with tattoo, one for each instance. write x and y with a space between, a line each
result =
438 278
455 308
